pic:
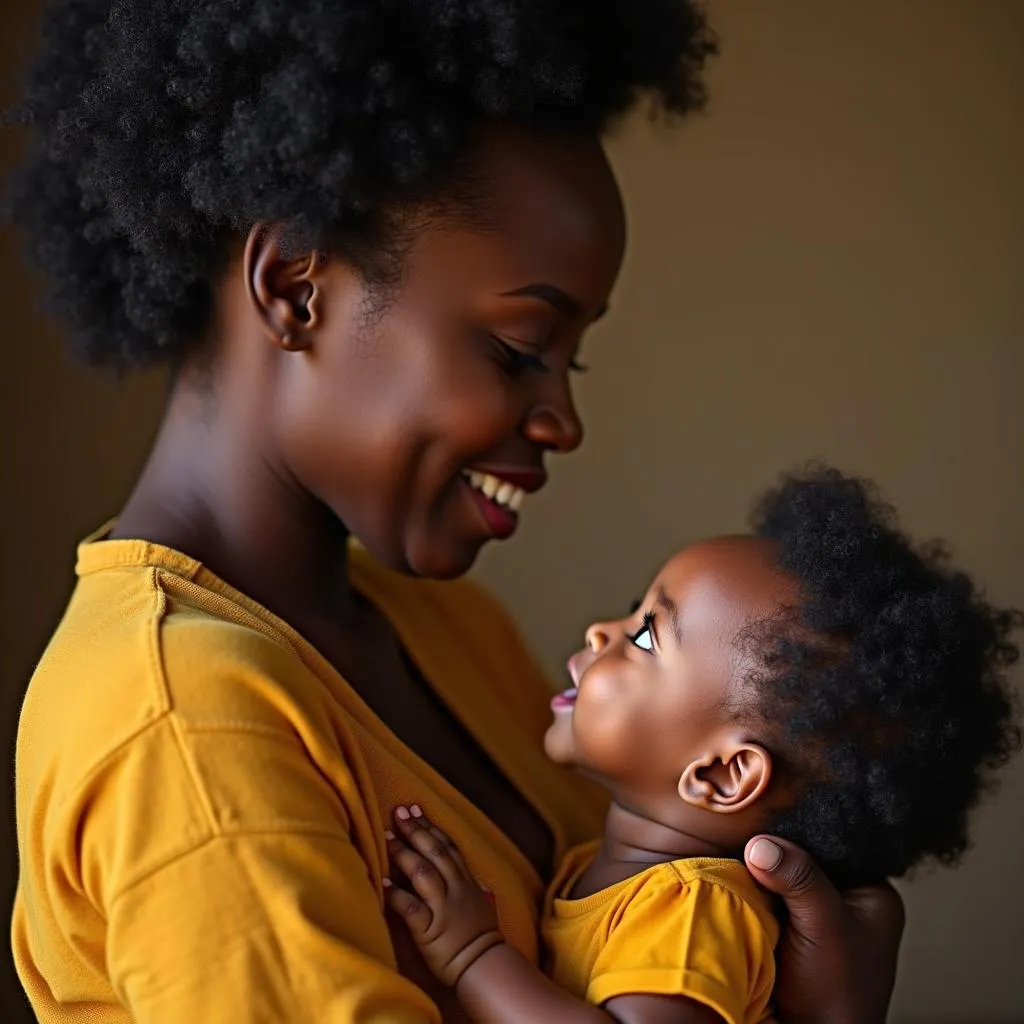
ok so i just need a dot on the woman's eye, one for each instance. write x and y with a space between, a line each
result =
514 361
643 639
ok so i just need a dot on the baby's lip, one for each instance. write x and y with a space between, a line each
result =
576 665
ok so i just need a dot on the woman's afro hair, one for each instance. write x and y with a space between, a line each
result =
886 688
160 129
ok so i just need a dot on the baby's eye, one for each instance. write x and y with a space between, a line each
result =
643 639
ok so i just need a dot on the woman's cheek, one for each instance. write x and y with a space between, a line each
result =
480 419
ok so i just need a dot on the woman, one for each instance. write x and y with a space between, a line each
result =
369 238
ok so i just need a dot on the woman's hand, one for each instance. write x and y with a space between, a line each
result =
837 957
451 918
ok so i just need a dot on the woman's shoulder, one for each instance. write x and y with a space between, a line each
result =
140 641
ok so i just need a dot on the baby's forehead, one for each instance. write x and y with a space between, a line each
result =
724 582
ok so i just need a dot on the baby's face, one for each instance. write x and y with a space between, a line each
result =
654 692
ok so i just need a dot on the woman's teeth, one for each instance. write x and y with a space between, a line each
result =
501 492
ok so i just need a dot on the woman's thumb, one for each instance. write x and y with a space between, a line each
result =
814 904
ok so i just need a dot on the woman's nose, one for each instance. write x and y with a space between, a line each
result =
555 424
597 637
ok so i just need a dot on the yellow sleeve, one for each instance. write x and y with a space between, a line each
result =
232 887
696 939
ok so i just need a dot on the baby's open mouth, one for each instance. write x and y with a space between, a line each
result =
565 700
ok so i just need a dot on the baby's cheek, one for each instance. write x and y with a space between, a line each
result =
604 736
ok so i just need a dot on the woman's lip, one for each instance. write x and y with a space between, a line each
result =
523 477
501 522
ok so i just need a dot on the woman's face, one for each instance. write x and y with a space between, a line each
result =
425 424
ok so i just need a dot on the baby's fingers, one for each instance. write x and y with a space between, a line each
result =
422 874
414 912
442 837
431 843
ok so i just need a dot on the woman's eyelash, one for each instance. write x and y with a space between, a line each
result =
513 361
577 367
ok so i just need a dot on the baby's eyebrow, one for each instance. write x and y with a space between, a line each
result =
670 606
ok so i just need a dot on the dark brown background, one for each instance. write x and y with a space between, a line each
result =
829 264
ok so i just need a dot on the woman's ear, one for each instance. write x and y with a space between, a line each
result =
283 289
729 780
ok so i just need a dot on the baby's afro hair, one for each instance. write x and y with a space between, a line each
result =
885 692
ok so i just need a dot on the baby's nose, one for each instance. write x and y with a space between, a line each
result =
597 637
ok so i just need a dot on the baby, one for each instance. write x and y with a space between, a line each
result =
821 679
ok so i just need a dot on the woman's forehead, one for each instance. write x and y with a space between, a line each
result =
552 215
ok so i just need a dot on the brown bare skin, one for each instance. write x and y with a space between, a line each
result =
654 722
300 419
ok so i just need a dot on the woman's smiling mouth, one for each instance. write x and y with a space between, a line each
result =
499 496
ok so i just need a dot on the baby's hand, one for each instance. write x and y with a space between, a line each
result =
453 921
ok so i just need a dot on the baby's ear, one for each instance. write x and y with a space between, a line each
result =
728 779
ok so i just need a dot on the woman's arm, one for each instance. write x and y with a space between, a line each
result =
837 958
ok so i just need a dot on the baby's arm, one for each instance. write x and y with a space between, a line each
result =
454 924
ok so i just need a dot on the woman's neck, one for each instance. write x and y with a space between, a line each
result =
212 492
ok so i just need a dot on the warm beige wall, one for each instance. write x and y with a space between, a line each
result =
828 265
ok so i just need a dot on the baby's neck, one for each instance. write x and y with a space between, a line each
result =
632 843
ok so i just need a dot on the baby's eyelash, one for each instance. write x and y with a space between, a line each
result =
648 621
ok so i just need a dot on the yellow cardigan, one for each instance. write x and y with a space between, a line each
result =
201 798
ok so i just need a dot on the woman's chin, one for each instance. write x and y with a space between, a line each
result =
442 561
430 557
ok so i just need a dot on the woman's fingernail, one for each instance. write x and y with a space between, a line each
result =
389 835
386 883
764 854
402 814
416 812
